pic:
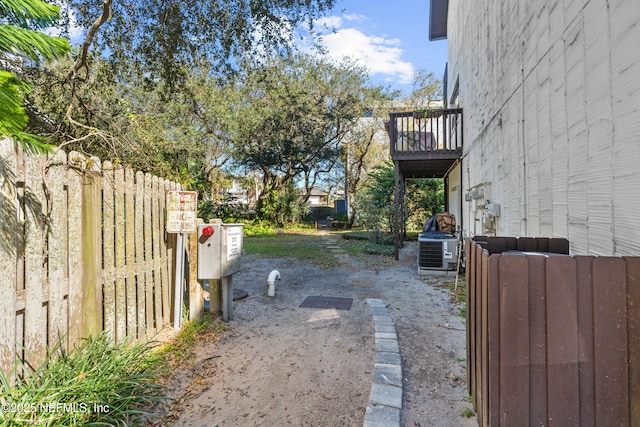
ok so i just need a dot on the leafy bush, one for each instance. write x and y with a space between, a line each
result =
378 249
283 207
258 228
227 209
357 235
96 383
375 237
424 197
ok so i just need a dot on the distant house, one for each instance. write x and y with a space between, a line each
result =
317 197
239 193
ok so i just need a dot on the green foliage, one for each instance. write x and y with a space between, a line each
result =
378 249
177 350
375 204
356 235
424 197
299 246
13 118
283 206
467 413
121 378
258 228
227 209
19 36
426 89
162 41
286 118
369 242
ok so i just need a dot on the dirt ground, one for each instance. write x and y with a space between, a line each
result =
279 364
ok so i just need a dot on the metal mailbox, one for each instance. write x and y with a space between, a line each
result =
219 250
219 256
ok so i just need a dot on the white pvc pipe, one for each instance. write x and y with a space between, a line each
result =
271 282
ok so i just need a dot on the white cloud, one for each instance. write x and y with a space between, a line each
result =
333 22
380 54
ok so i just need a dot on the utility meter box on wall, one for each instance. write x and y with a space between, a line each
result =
493 210
219 250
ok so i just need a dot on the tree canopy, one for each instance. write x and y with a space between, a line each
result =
163 40
288 117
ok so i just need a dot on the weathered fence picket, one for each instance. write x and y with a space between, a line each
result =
83 249
9 246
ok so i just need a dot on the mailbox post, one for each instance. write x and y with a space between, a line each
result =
219 257
181 218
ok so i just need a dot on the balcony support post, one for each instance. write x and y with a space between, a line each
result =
397 211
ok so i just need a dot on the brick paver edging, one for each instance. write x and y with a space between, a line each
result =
385 400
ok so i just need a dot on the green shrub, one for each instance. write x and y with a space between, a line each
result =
378 249
96 383
357 235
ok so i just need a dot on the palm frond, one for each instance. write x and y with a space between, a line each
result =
32 44
34 14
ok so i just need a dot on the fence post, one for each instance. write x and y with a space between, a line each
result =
58 246
75 161
120 239
130 257
196 293
139 258
36 292
108 215
91 249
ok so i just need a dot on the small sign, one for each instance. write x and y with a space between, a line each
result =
182 211
234 242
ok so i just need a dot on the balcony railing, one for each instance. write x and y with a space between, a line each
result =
425 134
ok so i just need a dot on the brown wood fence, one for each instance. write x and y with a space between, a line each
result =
552 340
83 249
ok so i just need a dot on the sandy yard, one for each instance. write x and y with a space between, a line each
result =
279 364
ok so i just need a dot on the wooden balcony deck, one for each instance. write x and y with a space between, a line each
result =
425 144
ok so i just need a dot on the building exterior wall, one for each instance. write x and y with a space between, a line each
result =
453 195
551 97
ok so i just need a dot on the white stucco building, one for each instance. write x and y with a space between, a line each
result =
550 92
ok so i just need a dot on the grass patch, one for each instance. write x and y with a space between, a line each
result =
305 247
265 229
368 242
458 295
96 383
467 413
176 351
356 235
378 249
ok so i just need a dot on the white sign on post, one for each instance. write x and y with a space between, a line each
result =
182 210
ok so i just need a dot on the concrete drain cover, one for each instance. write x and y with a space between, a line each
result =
327 302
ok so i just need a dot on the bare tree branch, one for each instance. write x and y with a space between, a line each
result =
84 54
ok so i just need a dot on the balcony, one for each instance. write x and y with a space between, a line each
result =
425 144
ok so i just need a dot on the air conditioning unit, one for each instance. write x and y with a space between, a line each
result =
437 252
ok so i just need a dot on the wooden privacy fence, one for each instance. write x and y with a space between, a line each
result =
552 339
83 249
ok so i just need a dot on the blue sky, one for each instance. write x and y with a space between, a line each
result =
390 39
